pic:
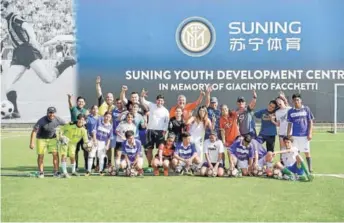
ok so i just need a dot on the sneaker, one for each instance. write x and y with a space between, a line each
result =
66 175
87 173
57 174
140 173
310 177
76 174
189 173
101 173
41 175
156 172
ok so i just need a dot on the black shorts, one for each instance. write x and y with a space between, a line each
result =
164 157
25 54
118 146
154 138
205 164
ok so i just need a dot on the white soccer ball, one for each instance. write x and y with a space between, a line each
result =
277 174
7 109
211 173
260 171
234 173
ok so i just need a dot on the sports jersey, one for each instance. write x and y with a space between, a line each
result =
91 123
177 127
17 34
213 149
185 152
258 148
268 128
246 121
230 125
132 150
103 106
289 158
74 133
75 111
46 129
281 117
103 131
300 119
167 151
123 127
240 152
116 119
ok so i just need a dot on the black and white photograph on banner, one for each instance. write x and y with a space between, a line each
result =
38 59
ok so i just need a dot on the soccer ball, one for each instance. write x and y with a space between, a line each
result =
112 171
211 173
64 140
7 109
235 172
88 146
131 172
277 174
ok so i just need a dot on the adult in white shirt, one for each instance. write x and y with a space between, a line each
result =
158 120
281 118
213 151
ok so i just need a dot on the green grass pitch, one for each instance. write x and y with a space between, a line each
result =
175 198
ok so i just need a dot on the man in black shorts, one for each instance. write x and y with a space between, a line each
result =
26 54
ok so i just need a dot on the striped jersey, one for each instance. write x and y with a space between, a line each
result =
17 34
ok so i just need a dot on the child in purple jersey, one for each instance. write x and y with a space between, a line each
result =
103 134
132 152
241 154
186 155
262 157
300 122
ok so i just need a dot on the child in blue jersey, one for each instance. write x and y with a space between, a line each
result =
132 152
241 154
186 155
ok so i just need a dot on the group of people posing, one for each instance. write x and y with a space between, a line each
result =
190 138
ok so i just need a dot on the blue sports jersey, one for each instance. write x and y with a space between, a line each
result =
268 128
116 119
240 152
91 123
132 151
300 119
185 152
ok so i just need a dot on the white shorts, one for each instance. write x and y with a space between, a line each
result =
302 143
242 164
100 150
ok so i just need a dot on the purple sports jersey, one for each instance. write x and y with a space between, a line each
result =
103 132
132 151
185 152
116 119
240 152
258 147
300 119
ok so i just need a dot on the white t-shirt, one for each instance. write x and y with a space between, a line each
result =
122 128
289 158
159 117
213 149
281 116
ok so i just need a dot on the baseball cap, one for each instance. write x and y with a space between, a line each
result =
213 133
240 99
51 110
213 100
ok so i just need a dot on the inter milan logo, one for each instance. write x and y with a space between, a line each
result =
195 36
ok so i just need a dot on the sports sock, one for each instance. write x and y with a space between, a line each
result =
73 167
286 171
309 162
64 166
89 164
101 164
12 97
303 166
